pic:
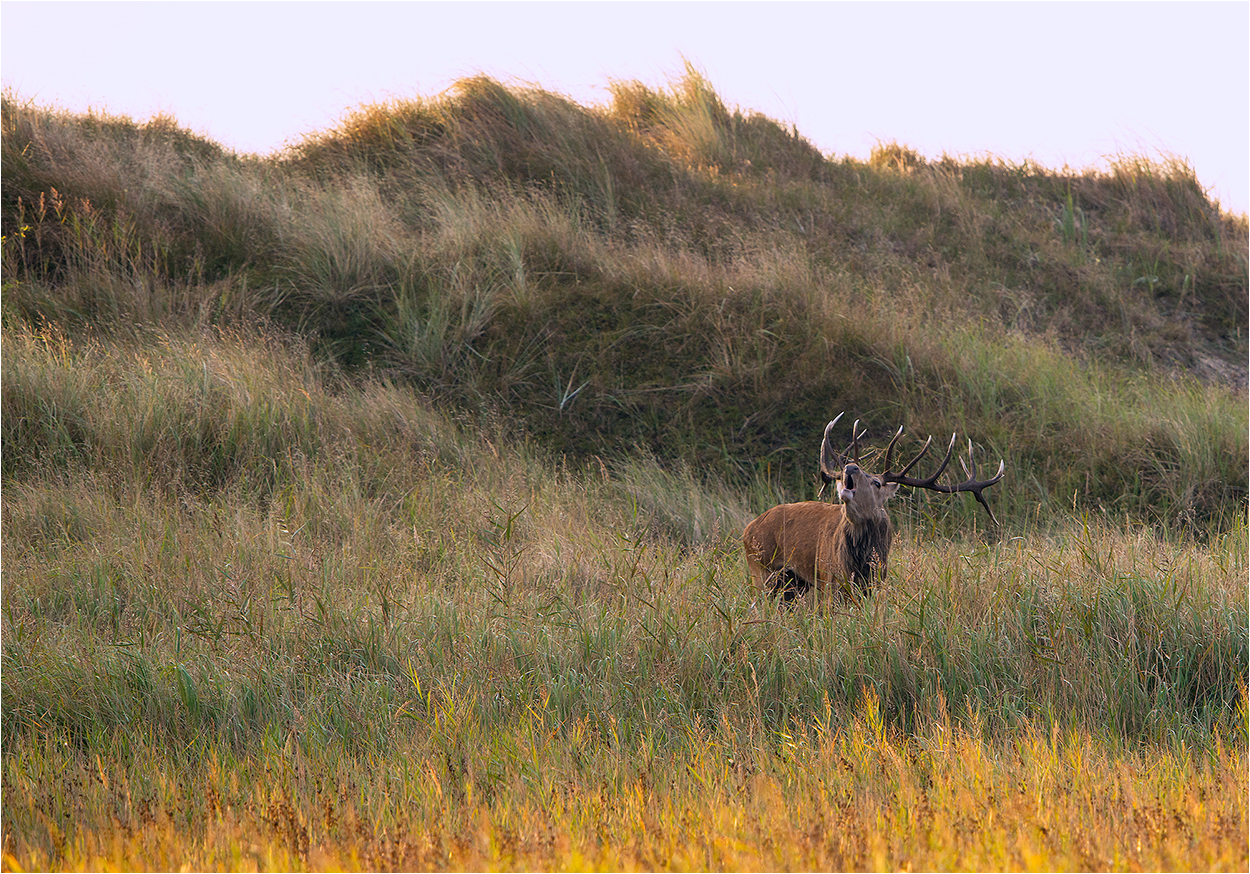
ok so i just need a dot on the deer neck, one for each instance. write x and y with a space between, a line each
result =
866 547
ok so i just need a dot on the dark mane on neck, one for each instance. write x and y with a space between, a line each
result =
865 549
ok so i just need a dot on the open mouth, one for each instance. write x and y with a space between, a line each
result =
846 494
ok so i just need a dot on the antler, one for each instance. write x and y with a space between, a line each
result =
832 461
971 484
829 457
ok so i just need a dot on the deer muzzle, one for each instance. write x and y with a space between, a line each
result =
851 475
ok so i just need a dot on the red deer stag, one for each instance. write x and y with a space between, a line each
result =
793 548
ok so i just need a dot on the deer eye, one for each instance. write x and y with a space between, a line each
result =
876 483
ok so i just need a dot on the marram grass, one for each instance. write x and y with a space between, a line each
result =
668 276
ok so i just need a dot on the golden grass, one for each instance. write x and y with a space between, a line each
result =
840 794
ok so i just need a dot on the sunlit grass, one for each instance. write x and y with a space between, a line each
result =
839 793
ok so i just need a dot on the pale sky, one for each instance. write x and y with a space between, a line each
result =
1060 82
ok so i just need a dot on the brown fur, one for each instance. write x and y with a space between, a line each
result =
819 546
841 548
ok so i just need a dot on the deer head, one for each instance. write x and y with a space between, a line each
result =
861 494
835 467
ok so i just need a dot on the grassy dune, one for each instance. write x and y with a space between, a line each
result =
375 505
666 277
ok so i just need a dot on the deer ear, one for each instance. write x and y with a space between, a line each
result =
889 490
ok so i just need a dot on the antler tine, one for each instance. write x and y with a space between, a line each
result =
970 468
829 458
928 483
919 455
971 484
855 435
889 450
945 460
975 488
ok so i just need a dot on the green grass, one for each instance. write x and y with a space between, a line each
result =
570 651
376 504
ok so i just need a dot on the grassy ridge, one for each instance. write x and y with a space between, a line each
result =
668 276
376 504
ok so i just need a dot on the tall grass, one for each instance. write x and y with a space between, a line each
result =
571 652
359 505
534 793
